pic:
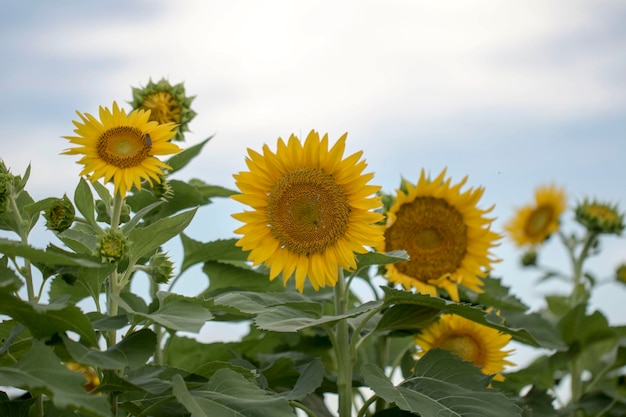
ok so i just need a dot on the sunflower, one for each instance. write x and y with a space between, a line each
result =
600 217
446 236
471 341
122 147
534 223
168 104
311 209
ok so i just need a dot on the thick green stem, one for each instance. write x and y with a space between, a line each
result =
344 357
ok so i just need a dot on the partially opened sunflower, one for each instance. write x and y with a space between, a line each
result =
311 209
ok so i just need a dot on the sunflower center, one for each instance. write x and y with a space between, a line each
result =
464 346
434 235
308 211
538 221
123 146
163 107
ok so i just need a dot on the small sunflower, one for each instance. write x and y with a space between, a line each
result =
93 381
471 341
167 103
311 209
122 147
600 217
448 239
534 223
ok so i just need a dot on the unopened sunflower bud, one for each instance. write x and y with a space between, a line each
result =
60 215
112 246
529 258
163 190
160 268
620 273
5 191
167 104
102 213
600 217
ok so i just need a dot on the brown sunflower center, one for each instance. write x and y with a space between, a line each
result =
464 346
163 107
308 211
434 235
539 221
123 146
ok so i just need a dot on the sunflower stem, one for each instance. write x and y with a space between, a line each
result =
344 356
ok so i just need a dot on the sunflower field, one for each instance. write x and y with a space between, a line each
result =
357 301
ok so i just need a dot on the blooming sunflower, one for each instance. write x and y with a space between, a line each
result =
471 341
446 236
534 223
167 103
122 147
311 209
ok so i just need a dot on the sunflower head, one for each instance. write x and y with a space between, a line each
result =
447 237
60 214
534 223
122 148
90 374
160 268
600 217
167 103
311 209
112 246
473 342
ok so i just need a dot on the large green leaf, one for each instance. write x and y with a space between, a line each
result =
181 159
406 317
224 277
442 384
87 282
145 241
40 371
52 256
379 258
249 302
474 313
311 376
44 320
9 281
15 339
228 394
184 314
132 351
83 199
223 250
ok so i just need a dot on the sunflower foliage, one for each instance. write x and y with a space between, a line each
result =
356 301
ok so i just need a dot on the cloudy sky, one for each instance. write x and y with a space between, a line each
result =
513 94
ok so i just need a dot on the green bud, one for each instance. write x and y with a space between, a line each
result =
600 217
160 268
60 215
163 189
112 246
529 258
620 273
103 216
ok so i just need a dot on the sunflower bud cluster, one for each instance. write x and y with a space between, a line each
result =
60 214
112 246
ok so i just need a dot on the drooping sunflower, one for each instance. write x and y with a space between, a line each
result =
534 223
448 239
168 104
311 209
121 147
471 341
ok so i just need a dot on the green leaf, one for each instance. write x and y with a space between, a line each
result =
181 314
128 227
89 282
52 256
228 394
226 278
497 295
378 258
249 302
181 159
83 199
577 326
220 250
468 311
406 317
44 321
132 351
79 241
40 371
15 339
211 190
442 384
9 281
311 377
145 241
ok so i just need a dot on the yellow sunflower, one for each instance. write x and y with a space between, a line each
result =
447 237
534 223
311 209
122 147
471 341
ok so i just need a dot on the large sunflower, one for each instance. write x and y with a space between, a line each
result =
471 341
534 223
447 237
122 147
311 209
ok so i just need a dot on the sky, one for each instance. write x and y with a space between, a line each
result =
512 94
